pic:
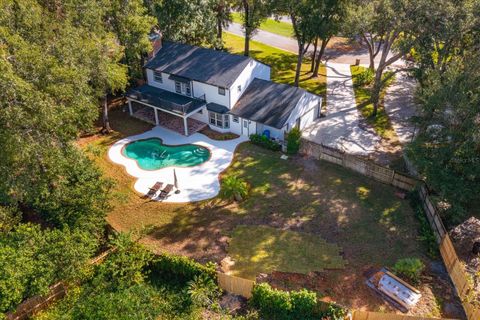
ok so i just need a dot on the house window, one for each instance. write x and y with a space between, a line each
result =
239 88
157 76
178 87
219 120
183 88
235 119
221 91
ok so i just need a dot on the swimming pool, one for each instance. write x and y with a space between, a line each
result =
152 154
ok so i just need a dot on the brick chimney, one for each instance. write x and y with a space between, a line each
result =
156 40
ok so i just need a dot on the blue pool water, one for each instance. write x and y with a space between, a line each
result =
152 154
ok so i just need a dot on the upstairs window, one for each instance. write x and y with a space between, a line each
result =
178 87
157 76
221 91
239 88
183 88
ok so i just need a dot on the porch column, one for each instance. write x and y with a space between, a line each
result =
156 116
185 125
130 107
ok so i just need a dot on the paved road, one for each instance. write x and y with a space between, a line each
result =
400 106
341 128
290 44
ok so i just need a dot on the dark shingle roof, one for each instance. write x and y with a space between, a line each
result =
268 102
165 99
204 65
215 107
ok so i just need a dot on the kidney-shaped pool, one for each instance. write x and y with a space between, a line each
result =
152 154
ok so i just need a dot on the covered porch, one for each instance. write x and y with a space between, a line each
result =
167 109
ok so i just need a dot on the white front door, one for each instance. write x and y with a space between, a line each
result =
245 127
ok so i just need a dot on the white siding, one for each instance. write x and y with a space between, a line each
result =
201 116
236 127
306 109
210 92
253 70
275 133
167 84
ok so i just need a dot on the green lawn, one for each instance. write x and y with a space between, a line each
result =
271 25
381 123
321 204
262 249
283 64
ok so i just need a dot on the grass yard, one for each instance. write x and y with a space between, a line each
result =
355 222
283 64
262 249
381 123
271 25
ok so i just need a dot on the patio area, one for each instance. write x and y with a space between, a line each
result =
166 120
195 183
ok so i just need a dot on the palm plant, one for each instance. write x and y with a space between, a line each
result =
203 291
234 188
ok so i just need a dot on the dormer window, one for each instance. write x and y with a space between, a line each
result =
221 91
157 76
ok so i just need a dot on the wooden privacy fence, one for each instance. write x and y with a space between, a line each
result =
360 165
38 303
235 285
366 315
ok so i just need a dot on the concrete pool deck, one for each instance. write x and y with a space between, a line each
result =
195 183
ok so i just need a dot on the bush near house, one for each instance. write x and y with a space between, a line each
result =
263 141
293 141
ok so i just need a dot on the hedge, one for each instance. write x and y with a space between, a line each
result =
263 141
283 305
181 269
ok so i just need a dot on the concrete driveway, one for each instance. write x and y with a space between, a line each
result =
341 128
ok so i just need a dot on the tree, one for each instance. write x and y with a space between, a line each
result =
330 18
253 13
303 15
131 23
32 259
386 28
445 29
447 148
188 21
58 67
223 10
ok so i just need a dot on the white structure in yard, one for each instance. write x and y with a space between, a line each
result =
230 93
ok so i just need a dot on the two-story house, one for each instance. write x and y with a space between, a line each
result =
228 92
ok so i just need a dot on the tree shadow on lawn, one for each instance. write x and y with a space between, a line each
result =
363 217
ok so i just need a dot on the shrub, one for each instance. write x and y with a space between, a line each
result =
365 77
293 141
234 188
411 268
203 291
427 237
263 141
271 303
303 303
181 269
